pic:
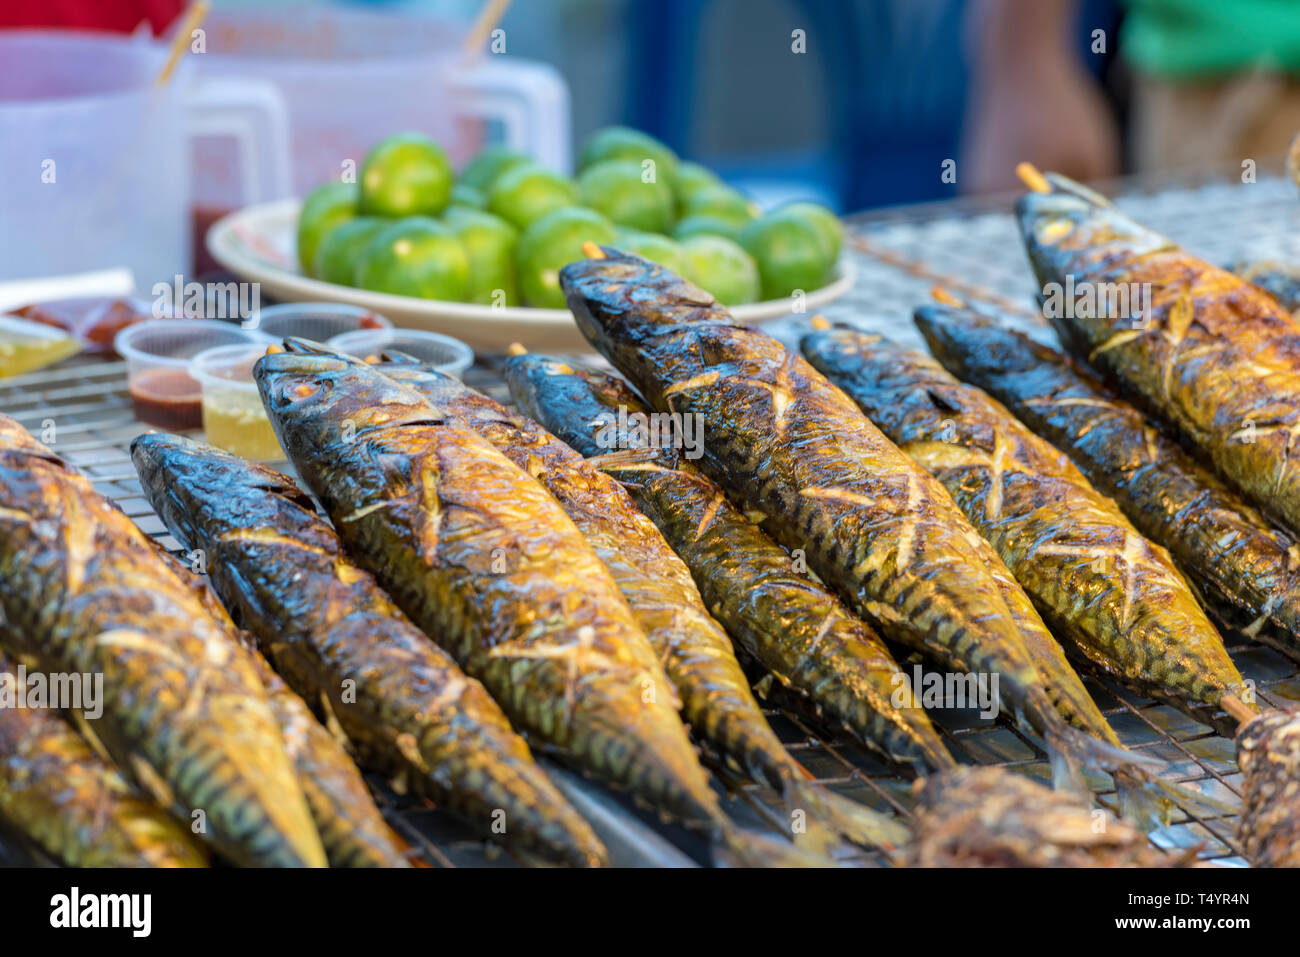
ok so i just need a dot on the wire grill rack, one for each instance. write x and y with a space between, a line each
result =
82 409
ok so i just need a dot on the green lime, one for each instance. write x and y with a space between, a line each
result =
527 192
338 253
489 243
690 178
722 201
705 225
551 243
618 189
790 252
826 222
620 142
416 256
722 268
467 197
654 247
406 174
324 208
482 171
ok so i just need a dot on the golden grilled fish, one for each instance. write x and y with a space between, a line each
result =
796 450
83 590
1213 358
1114 595
1246 568
405 706
57 793
782 619
696 652
486 562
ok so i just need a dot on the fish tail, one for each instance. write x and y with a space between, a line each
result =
826 819
1071 750
735 847
1149 801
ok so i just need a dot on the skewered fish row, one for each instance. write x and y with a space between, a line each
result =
696 653
75 806
988 817
1247 569
1214 358
82 590
337 639
1116 597
782 619
792 446
1268 752
488 564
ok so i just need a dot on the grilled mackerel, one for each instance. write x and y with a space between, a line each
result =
404 704
488 564
796 449
1268 752
76 807
1216 359
781 619
1246 568
83 590
1116 597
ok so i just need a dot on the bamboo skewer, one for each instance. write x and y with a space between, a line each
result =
194 16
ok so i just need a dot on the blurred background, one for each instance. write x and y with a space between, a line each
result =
859 103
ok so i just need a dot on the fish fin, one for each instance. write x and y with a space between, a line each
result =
830 818
739 848
1072 750
1149 801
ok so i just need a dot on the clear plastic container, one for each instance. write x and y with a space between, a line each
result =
317 321
158 354
234 418
447 355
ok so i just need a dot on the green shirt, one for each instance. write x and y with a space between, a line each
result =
1202 38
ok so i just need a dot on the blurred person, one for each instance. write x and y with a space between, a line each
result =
1213 82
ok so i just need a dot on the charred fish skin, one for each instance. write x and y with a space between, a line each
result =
778 435
83 590
1116 596
58 794
1248 568
794 628
1213 358
487 563
1268 752
696 652
329 627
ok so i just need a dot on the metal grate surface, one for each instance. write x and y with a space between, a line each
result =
899 255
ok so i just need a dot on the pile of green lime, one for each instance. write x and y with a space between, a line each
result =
499 233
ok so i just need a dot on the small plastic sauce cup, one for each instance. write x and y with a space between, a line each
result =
158 354
233 416
447 355
317 321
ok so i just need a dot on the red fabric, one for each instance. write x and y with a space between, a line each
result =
119 16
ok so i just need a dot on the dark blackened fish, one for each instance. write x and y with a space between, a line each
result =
488 564
793 447
83 590
1213 358
1268 753
1116 597
782 619
1246 568
403 703
56 792
1281 280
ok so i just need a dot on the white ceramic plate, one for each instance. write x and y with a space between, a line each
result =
257 244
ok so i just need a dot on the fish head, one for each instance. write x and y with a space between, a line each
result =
624 304
319 401
964 339
191 484
573 402
1075 231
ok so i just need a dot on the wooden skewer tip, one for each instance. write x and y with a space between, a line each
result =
515 349
592 251
939 294
1030 176
819 323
